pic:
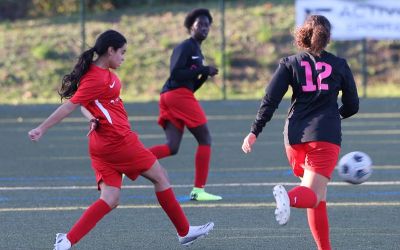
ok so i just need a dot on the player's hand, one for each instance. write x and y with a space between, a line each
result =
35 134
248 142
93 124
213 70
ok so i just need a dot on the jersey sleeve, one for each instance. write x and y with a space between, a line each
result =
274 93
178 65
350 100
199 81
90 89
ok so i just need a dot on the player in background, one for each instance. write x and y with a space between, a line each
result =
113 147
178 105
312 131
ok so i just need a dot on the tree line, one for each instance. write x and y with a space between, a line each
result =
13 10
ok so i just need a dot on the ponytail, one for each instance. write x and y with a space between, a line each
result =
314 35
71 81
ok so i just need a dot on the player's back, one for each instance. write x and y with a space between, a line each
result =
316 82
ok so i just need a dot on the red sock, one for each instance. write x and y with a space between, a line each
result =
160 151
319 225
88 220
174 211
202 162
302 197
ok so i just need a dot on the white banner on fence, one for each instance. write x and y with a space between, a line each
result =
353 20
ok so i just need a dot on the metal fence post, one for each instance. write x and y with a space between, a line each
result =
82 11
223 62
364 67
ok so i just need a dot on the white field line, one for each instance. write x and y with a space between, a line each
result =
251 117
261 184
199 205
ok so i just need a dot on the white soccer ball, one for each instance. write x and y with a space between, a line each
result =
355 167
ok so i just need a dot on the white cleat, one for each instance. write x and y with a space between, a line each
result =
62 242
195 232
282 211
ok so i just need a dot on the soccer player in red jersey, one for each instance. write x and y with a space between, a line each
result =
312 131
113 147
178 105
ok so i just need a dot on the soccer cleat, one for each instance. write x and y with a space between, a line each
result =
62 242
282 211
198 194
195 232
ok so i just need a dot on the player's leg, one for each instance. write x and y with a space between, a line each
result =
202 164
108 200
166 197
319 162
171 147
318 215
300 196
322 160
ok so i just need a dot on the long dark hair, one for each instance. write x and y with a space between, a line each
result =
314 34
70 82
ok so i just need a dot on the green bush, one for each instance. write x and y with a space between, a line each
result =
43 52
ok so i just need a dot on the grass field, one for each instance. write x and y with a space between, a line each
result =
45 186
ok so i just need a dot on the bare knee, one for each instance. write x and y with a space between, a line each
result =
113 203
110 195
321 196
161 178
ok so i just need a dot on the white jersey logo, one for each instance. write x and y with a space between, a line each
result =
195 57
112 85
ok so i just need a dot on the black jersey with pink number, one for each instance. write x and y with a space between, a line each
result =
314 114
186 67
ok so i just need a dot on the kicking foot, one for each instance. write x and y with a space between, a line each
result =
195 232
282 211
62 242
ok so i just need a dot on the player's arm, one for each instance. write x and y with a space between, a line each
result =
178 65
273 96
270 102
350 98
86 113
199 81
212 71
58 115
93 121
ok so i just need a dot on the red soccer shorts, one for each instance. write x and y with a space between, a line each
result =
130 158
317 156
180 107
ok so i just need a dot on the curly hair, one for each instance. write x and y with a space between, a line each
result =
314 35
191 17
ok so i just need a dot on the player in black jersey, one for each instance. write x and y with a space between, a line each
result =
313 126
179 107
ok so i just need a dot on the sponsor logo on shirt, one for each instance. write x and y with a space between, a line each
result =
195 57
112 85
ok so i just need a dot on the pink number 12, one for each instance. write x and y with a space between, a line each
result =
310 86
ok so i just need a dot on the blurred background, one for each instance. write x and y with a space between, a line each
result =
41 39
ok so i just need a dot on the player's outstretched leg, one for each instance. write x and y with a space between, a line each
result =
165 195
282 211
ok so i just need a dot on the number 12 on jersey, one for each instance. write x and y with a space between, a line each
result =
325 73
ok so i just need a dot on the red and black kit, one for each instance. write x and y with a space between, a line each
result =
314 114
187 74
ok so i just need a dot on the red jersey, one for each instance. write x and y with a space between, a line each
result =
98 92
